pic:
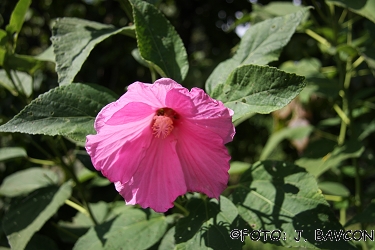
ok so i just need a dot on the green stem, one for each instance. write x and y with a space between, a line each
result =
181 208
70 170
77 207
41 162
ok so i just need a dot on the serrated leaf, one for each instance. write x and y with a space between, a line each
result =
208 225
28 215
281 196
68 110
12 152
72 41
258 89
123 232
365 8
158 42
26 181
261 44
17 17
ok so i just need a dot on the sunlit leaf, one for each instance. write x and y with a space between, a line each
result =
72 41
26 181
258 89
281 196
158 42
66 110
261 44
17 17
28 215
123 232
208 225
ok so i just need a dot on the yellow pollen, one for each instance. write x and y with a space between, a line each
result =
163 126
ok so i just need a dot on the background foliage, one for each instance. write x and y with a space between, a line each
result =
308 165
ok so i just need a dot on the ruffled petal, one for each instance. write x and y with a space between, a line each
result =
159 180
152 95
117 150
204 159
212 115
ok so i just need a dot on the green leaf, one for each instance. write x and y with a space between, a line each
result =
72 41
208 225
261 44
334 188
123 232
286 133
28 215
26 181
317 162
23 82
17 17
369 56
46 55
238 167
21 63
258 89
11 153
365 8
281 196
158 42
41 242
366 216
66 110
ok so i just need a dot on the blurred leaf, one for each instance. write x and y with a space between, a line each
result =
12 152
285 133
238 167
46 55
23 81
258 89
281 196
3 38
26 181
72 41
66 110
21 63
17 17
208 225
158 42
346 52
261 44
123 232
369 55
28 215
316 81
319 161
365 8
367 216
334 188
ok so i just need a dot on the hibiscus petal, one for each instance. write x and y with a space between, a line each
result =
159 180
212 115
204 159
118 149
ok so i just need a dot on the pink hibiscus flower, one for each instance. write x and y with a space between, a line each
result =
159 141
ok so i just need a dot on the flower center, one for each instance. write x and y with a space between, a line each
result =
163 122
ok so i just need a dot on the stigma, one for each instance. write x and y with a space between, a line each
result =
163 122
